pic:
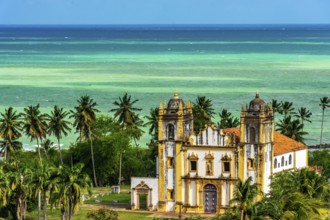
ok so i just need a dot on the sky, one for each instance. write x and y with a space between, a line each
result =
164 12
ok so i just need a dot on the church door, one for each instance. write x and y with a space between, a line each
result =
210 198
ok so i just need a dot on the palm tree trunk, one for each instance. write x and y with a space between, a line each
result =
92 152
45 205
242 214
38 149
39 204
321 128
59 149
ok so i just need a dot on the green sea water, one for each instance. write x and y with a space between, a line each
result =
56 65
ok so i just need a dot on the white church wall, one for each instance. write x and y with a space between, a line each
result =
283 162
151 183
301 159
268 166
170 178
193 194
217 161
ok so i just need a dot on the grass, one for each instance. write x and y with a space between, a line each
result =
82 214
109 198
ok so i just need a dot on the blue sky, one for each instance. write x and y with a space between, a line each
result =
164 11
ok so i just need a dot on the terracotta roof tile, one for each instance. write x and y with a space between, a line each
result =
282 143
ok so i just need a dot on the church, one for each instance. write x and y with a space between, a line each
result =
197 173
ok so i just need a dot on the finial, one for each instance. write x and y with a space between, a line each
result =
257 94
176 94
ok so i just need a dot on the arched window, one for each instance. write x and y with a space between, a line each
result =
170 134
252 135
290 159
282 161
275 163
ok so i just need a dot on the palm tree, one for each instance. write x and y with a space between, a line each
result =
296 195
72 183
292 129
42 181
287 108
18 176
84 115
58 126
324 103
304 115
202 112
153 122
227 120
35 125
4 187
8 146
277 107
10 130
205 105
125 110
245 194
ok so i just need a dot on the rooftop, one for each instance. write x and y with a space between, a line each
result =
282 143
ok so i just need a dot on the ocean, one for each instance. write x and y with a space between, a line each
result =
55 65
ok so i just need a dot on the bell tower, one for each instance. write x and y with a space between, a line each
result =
175 124
256 136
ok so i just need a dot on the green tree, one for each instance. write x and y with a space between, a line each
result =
42 181
245 194
277 106
227 120
58 126
153 122
10 130
111 138
125 111
4 187
304 115
19 181
126 115
320 158
291 128
296 195
324 103
73 182
84 115
203 112
287 108
35 125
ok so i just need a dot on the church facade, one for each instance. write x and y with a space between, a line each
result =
197 173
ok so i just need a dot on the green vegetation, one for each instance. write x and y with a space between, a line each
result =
49 183
299 195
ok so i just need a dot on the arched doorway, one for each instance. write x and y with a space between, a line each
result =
142 197
210 198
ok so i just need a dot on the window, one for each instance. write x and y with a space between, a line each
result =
170 134
275 163
252 135
170 162
226 163
251 164
282 161
192 161
226 166
290 159
170 194
193 166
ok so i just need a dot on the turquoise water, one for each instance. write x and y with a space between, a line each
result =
57 64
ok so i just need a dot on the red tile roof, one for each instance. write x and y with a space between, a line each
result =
282 143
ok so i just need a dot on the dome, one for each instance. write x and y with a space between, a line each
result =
174 102
256 103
